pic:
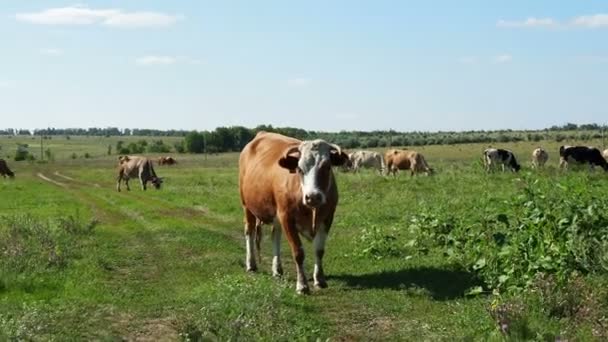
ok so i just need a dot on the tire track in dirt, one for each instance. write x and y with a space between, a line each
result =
45 178
79 189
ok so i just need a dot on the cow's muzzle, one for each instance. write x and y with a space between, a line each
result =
314 199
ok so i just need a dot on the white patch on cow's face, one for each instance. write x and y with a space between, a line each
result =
314 158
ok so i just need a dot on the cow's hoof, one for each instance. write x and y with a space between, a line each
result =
322 284
252 269
303 290
277 272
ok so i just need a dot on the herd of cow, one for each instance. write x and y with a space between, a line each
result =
394 160
289 184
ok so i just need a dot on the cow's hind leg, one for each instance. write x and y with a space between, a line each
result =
250 241
277 267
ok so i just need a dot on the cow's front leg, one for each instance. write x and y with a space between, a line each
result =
319 244
291 233
127 184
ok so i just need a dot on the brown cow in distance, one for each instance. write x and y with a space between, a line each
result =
4 170
289 183
166 161
406 160
136 167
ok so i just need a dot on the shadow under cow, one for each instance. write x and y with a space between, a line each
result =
441 284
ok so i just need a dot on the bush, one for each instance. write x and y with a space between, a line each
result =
552 229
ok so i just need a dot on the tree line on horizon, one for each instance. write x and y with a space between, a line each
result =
234 138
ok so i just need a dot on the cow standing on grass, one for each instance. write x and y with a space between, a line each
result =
539 157
136 167
367 159
581 155
289 183
492 157
166 161
4 170
406 160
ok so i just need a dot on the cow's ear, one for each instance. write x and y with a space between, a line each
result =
338 158
290 160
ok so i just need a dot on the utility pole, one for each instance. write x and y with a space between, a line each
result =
41 148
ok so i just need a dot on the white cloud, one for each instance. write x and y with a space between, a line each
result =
4 84
599 20
81 15
155 60
591 21
51 52
299 82
501 59
529 22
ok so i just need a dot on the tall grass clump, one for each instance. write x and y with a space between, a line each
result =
31 249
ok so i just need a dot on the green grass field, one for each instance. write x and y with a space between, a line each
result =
80 261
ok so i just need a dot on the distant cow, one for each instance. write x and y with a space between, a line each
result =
289 183
406 160
492 157
539 157
4 170
137 167
166 161
367 159
581 155
605 154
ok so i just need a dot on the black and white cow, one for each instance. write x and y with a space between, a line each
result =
492 157
581 155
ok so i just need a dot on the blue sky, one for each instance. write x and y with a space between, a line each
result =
323 65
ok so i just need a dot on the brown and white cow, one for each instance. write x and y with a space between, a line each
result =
406 160
492 157
166 161
136 167
581 155
289 183
4 170
366 159
539 157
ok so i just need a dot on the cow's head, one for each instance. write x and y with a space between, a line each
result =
514 164
312 160
156 182
122 159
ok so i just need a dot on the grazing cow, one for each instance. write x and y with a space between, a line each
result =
4 170
406 160
137 167
367 159
581 155
539 157
166 161
289 183
495 156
